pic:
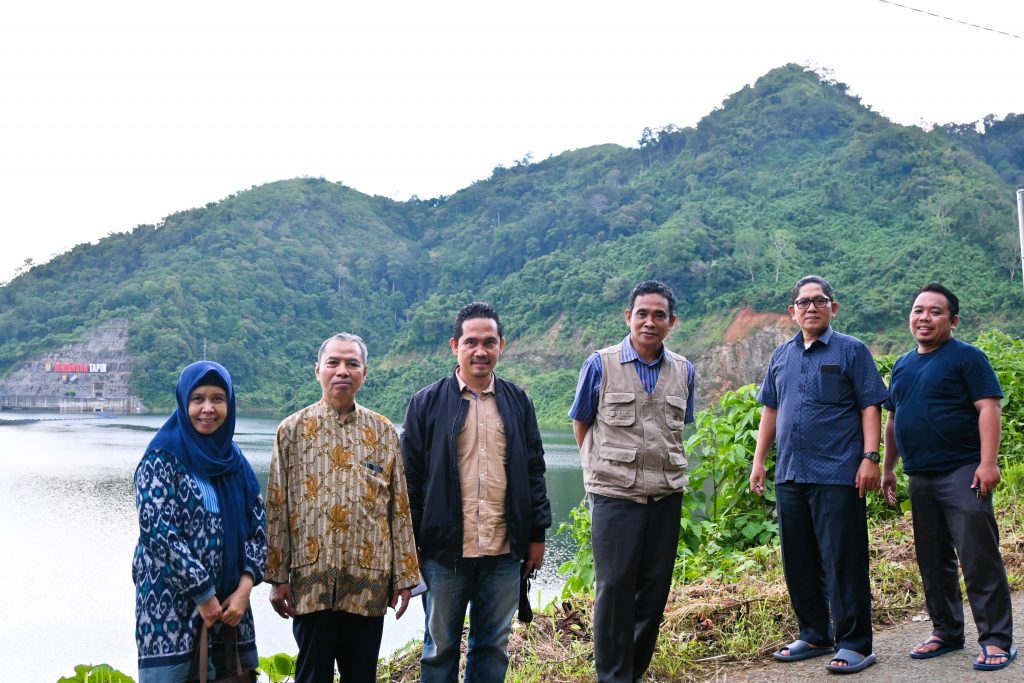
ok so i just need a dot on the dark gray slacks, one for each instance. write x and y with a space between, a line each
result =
951 522
634 555
823 531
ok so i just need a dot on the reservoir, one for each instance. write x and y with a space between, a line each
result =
68 530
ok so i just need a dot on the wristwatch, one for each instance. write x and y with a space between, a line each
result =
872 456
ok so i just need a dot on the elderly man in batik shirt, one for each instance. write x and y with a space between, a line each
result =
341 540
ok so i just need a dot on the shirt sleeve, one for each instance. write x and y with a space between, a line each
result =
979 376
256 541
279 557
868 385
588 391
767 395
404 568
160 489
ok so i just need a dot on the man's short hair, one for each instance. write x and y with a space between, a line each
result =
344 336
477 309
826 288
654 287
954 303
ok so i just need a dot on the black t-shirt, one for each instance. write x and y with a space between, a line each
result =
933 395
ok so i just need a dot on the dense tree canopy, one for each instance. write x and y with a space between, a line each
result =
789 176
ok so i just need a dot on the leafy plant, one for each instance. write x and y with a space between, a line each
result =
100 673
278 668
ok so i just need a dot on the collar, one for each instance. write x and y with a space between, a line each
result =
332 411
463 386
628 354
825 337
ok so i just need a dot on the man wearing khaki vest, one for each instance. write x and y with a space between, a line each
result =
632 402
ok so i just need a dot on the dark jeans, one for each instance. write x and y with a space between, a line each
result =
950 521
824 535
490 587
328 637
634 554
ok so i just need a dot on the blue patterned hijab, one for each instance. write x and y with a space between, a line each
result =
217 459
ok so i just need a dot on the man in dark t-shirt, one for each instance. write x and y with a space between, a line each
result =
944 419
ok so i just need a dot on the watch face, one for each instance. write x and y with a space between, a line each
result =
872 456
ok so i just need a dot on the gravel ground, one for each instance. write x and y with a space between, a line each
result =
891 648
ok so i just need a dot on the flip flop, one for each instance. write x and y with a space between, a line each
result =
943 648
1007 658
801 649
855 662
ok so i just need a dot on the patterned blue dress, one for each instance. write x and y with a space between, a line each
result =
178 558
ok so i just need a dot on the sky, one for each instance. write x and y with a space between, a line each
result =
116 113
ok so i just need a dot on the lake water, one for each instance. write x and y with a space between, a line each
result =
68 530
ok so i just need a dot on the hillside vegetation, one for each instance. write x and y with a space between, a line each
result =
789 176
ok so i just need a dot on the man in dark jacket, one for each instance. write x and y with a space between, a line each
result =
474 466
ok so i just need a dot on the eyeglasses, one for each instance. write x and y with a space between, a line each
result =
817 302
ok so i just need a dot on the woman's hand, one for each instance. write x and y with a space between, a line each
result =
210 611
234 605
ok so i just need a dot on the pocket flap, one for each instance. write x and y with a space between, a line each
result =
619 397
676 401
618 453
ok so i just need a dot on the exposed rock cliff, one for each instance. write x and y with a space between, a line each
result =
743 355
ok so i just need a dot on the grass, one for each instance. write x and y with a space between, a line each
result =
712 628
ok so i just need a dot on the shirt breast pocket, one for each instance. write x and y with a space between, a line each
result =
831 384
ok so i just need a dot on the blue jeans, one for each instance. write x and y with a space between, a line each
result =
490 587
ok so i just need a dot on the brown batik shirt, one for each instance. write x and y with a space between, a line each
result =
338 521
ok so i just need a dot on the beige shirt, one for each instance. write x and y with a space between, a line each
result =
338 522
481 450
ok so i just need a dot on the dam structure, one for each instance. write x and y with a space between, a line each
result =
89 375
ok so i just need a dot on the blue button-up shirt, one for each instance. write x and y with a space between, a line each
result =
819 393
588 390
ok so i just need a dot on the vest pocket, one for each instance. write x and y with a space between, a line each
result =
675 469
619 408
615 465
675 412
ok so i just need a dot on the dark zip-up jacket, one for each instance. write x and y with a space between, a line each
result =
432 423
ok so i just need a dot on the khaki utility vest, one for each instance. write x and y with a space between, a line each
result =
634 449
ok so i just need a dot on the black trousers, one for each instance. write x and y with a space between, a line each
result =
950 521
634 554
328 637
824 536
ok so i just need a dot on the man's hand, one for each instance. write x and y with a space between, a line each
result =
234 605
986 479
757 478
889 487
281 600
400 598
210 611
534 557
868 477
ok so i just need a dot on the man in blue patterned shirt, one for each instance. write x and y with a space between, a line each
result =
821 398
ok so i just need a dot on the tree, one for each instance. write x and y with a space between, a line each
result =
780 242
749 249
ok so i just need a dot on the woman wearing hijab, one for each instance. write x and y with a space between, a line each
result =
202 532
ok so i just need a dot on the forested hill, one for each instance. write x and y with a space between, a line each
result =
789 176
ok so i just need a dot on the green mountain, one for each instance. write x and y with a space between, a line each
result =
789 176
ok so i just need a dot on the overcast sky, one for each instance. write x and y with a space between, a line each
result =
115 113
